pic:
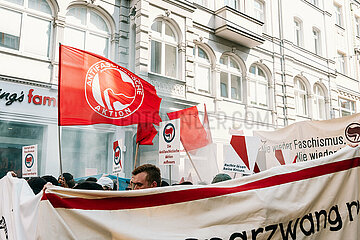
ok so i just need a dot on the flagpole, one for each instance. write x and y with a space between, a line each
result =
61 170
136 153
117 181
192 163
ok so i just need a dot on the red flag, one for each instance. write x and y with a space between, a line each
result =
145 133
94 90
192 133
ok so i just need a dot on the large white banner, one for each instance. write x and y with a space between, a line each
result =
309 200
308 140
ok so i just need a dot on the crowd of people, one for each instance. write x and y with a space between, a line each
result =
144 176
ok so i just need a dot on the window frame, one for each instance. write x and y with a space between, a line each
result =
301 96
341 63
258 80
88 30
164 41
229 71
317 41
338 15
298 32
352 107
27 13
319 101
357 26
201 62
259 13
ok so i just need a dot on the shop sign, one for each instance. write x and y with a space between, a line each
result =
169 142
29 161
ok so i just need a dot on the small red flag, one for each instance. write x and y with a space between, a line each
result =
192 133
93 90
145 133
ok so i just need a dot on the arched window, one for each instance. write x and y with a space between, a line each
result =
257 86
86 29
319 103
164 49
301 97
202 70
230 78
26 25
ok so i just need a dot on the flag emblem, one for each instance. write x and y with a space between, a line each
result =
112 99
352 132
29 160
169 132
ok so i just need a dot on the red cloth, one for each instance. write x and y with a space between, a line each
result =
94 90
145 133
192 133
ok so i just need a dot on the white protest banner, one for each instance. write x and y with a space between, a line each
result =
169 142
309 140
18 209
29 161
117 156
308 200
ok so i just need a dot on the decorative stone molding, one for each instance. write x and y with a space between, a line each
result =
169 88
348 95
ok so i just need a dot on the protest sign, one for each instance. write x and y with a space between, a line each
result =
117 156
169 142
29 161
309 140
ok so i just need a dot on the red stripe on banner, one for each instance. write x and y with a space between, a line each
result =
239 145
279 156
118 203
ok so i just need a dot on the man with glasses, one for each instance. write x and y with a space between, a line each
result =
145 176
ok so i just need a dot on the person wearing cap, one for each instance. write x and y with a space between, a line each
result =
220 177
145 176
106 183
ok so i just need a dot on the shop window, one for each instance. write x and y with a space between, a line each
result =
14 136
83 149
26 26
87 29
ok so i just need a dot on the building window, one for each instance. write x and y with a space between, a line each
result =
259 10
341 63
301 98
232 3
357 23
257 86
230 78
319 103
202 70
86 29
202 2
347 107
164 50
26 25
338 15
317 41
298 32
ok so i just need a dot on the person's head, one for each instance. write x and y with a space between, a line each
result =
36 184
146 176
66 180
89 185
220 177
91 179
106 183
51 179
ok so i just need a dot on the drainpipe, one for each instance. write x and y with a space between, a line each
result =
282 63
